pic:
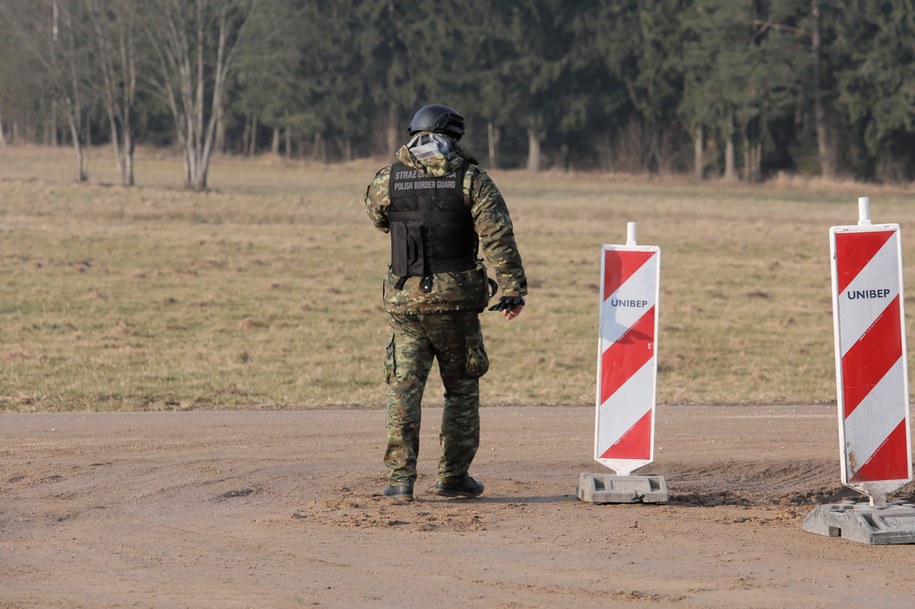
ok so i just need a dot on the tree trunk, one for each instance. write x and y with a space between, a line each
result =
127 178
2 133
663 156
190 165
730 166
393 140
288 134
747 157
246 135
200 182
275 142
698 153
533 151
757 162
127 147
78 151
347 150
116 146
54 140
318 151
74 118
492 138
221 135
825 159
252 143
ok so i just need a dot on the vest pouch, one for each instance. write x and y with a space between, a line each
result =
407 249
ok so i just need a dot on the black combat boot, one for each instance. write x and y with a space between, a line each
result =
468 487
399 492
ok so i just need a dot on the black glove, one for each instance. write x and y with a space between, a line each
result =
507 303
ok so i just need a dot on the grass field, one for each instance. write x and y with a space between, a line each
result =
265 292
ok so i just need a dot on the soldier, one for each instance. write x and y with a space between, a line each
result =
439 206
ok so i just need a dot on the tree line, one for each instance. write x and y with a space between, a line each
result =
736 89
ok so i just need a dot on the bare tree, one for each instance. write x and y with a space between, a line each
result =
827 170
195 43
53 33
113 24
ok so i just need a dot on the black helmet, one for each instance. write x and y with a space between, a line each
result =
438 119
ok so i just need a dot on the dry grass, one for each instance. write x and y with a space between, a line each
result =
265 291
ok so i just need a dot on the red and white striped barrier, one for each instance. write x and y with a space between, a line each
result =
627 362
871 371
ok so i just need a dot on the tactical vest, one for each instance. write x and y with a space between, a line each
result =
431 226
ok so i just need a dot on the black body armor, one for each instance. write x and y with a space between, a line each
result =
431 226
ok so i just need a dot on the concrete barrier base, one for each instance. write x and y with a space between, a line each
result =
609 488
893 523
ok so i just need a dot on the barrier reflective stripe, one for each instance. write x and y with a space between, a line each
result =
627 357
871 370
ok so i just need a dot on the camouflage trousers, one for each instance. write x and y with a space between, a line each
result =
456 341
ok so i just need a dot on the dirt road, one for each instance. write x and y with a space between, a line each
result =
281 509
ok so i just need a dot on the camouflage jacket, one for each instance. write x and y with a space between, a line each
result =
457 290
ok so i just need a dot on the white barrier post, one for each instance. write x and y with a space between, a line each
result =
627 369
630 233
871 381
864 211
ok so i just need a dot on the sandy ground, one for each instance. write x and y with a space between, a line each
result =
282 509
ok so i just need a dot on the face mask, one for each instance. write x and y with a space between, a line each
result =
423 146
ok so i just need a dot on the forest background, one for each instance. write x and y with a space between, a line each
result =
742 90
